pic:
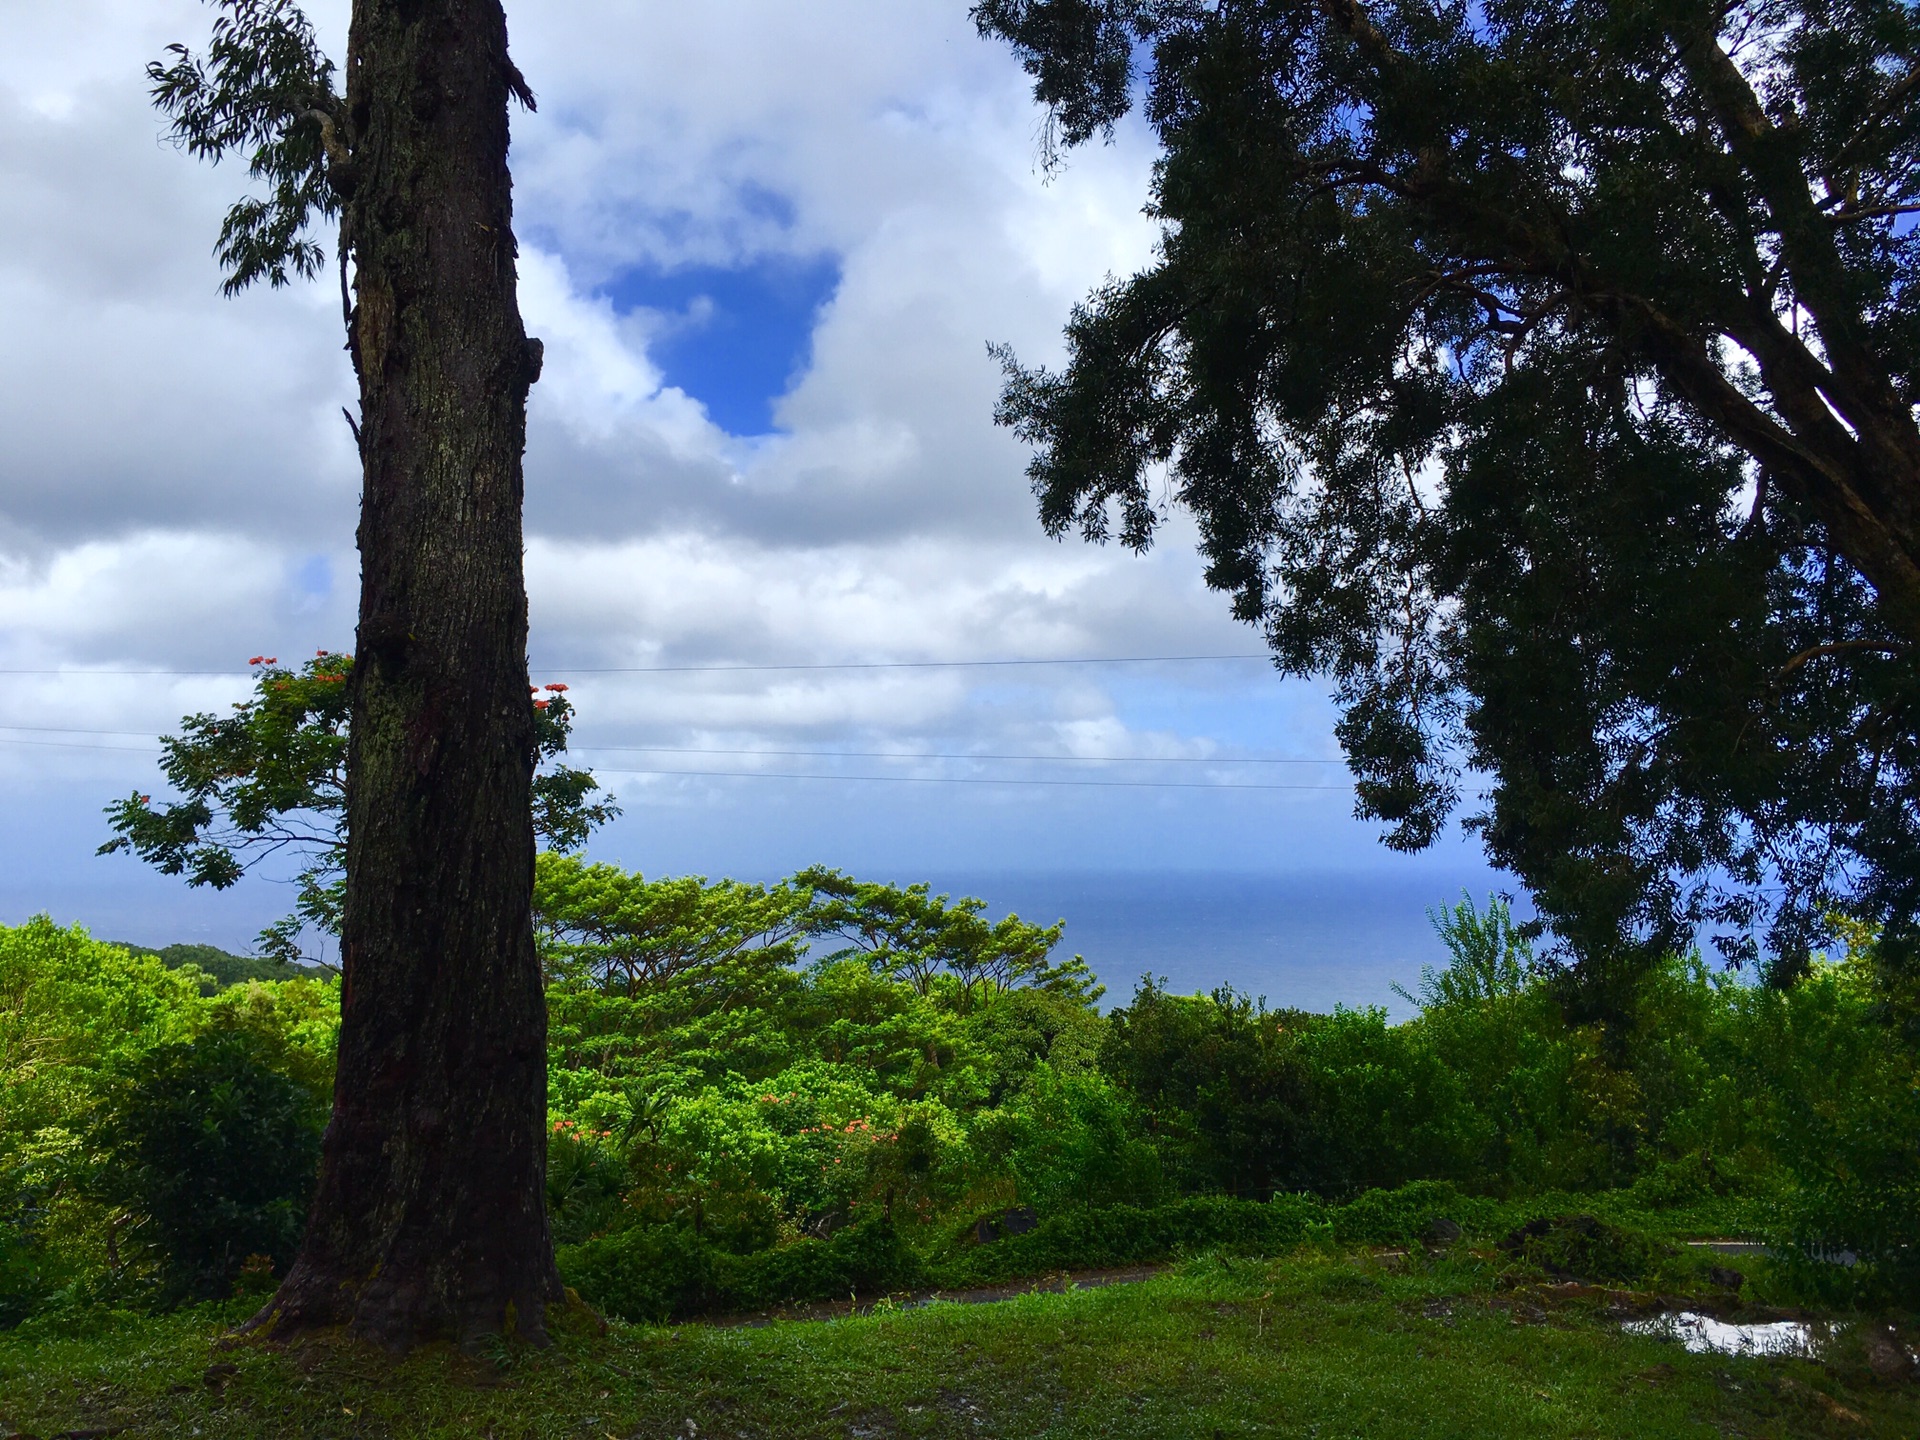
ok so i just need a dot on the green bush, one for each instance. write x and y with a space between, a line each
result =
1071 1139
210 1152
1583 1247
25 1281
586 1181
662 1272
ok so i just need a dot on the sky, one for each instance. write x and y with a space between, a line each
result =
766 246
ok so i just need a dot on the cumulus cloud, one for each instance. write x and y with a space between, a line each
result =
179 487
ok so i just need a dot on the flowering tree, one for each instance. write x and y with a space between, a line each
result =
271 779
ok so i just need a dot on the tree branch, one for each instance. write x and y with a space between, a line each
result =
1840 647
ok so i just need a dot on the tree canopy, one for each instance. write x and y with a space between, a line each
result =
271 778
1544 374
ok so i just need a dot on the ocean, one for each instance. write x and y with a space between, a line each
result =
1308 941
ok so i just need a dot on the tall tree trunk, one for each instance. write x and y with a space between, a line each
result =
430 1216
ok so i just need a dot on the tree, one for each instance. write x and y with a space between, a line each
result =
940 947
625 933
428 1218
271 778
1544 374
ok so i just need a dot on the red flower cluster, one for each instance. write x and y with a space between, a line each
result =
852 1127
558 689
264 660
541 704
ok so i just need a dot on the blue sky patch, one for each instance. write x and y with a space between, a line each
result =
734 338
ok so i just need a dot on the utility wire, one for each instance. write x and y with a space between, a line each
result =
942 755
976 780
84 745
72 730
895 665
865 779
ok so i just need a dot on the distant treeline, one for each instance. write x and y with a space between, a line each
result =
220 968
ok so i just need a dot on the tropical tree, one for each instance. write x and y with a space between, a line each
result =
1544 374
429 1217
937 945
270 779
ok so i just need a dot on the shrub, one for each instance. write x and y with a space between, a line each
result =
661 1272
212 1153
1406 1215
585 1179
1069 1140
647 1274
1582 1247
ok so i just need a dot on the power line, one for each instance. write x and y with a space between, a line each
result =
892 665
72 730
84 745
975 780
941 755
74 674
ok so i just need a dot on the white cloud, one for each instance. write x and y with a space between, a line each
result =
178 489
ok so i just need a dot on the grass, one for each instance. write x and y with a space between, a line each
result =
1315 1344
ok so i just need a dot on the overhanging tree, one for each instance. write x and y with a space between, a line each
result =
429 1217
1544 373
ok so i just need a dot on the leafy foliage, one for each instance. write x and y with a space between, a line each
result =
263 88
1491 957
80 1023
211 1151
1543 374
911 935
219 968
272 778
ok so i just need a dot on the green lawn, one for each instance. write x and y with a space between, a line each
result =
1311 1345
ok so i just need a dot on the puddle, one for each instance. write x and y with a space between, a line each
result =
1702 1334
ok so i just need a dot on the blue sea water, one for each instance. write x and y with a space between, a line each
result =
1304 940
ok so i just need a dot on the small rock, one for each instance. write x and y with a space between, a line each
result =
1442 1231
1017 1221
1888 1359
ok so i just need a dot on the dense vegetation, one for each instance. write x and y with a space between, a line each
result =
766 1093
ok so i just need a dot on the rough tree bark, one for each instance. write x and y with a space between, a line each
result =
430 1220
